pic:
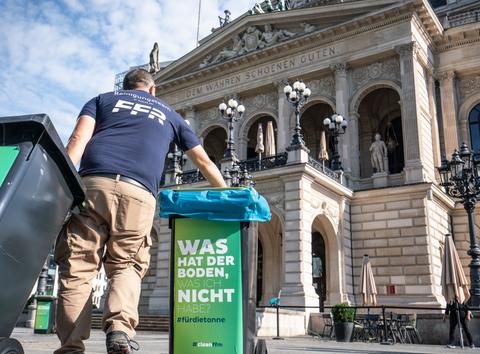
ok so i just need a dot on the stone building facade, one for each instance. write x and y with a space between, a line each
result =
400 68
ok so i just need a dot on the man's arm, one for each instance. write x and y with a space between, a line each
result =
200 158
81 135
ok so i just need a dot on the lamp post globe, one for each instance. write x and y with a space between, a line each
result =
297 95
232 112
336 125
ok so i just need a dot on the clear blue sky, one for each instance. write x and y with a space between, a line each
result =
55 55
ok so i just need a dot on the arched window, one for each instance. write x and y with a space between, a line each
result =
474 123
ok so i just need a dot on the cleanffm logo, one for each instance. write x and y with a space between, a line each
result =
134 108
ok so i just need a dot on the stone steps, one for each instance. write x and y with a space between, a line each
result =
155 323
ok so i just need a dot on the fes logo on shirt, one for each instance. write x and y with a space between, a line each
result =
153 113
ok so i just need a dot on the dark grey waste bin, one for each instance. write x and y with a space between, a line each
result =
38 188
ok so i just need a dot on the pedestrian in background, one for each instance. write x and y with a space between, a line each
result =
465 315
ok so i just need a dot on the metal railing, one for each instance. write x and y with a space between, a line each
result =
191 176
320 166
265 163
386 335
252 165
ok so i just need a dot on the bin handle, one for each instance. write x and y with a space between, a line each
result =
35 144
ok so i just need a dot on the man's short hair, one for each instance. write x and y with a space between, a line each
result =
137 78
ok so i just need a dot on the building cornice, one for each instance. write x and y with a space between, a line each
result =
372 21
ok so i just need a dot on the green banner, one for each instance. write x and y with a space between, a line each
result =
207 292
8 155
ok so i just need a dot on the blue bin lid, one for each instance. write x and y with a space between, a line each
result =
224 204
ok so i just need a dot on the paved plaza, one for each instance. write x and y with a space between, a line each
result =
157 343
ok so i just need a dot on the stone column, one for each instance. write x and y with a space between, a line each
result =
433 120
297 287
354 144
449 111
284 115
410 113
189 115
342 95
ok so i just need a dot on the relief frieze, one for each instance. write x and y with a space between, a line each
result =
383 70
469 86
324 86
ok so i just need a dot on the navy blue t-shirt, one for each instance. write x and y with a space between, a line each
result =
133 132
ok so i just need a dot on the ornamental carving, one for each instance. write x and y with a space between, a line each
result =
469 86
322 87
408 49
264 102
445 76
208 117
384 70
277 201
254 39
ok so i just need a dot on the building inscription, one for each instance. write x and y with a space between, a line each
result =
259 72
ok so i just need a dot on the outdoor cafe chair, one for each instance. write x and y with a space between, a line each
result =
327 325
411 330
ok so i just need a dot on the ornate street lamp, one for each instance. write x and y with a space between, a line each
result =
297 95
461 179
232 112
336 125
177 158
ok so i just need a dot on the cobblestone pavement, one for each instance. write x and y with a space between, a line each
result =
157 343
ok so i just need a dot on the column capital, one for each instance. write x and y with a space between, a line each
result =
189 109
353 115
408 49
445 76
280 84
339 68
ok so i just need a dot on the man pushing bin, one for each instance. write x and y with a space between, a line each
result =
120 140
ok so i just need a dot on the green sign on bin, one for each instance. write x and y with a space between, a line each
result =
8 155
42 316
207 287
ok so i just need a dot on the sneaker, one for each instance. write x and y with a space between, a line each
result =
118 343
451 346
472 346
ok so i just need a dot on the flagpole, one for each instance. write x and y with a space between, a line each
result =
198 21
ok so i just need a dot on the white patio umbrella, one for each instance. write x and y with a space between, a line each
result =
454 281
270 140
323 154
368 288
259 148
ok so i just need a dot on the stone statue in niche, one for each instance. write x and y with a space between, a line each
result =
154 66
378 157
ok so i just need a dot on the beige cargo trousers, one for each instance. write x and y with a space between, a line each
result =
113 228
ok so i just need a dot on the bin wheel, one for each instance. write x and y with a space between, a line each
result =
10 346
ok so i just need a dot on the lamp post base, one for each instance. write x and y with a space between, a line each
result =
299 146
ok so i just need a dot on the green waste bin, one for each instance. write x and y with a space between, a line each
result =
38 188
213 269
